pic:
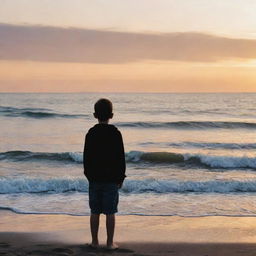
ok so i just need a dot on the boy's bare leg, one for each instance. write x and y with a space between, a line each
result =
110 225
94 222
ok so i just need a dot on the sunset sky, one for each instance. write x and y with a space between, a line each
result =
127 46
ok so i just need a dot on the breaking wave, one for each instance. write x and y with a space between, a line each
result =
40 156
24 185
211 161
29 185
137 157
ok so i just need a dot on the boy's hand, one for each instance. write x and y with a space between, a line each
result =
119 185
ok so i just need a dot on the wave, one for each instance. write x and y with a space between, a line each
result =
168 186
64 185
34 113
216 145
24 185
211 161
204 145
137 157
189 125
41 156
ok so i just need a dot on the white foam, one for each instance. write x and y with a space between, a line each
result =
11 186
209 160
27 185
76 156
168 186
133 156
224 161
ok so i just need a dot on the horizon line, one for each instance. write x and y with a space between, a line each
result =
113 92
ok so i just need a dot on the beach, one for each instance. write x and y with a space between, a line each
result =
142 110
23 234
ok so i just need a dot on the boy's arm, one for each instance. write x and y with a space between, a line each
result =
86 153
122 164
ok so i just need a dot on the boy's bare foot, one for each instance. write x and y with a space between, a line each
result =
112 246
94 245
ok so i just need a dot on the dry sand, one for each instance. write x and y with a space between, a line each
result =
136 235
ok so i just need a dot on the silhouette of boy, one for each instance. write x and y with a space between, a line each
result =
104 167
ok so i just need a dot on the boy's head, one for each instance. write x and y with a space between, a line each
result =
103 110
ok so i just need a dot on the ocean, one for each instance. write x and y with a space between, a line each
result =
186 154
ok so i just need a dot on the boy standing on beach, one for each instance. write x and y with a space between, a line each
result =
104 167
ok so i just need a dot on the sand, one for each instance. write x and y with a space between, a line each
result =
136 235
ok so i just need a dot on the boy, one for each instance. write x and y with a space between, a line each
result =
104 167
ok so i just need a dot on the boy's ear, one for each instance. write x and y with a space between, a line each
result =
95 115
111 116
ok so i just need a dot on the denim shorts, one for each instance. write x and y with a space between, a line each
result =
103 197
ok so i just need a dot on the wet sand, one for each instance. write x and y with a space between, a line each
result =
31 234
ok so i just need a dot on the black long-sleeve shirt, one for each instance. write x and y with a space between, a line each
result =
104 157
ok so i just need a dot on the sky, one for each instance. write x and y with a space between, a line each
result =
127 46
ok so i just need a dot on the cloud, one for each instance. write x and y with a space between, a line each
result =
54 44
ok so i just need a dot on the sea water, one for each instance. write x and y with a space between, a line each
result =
186 154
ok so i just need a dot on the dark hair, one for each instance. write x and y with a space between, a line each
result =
103 109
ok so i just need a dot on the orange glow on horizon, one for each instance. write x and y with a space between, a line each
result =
149 76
